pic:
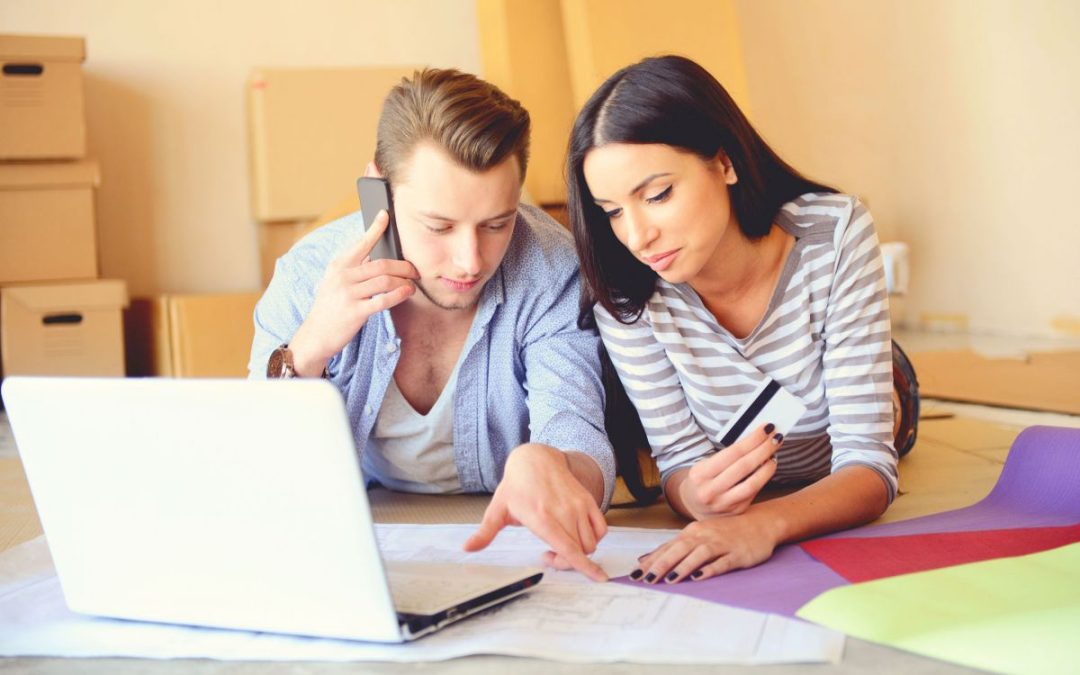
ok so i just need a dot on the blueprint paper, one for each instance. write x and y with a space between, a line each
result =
565 618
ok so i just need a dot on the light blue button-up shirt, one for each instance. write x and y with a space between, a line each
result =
527 374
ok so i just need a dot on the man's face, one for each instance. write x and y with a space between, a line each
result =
454 224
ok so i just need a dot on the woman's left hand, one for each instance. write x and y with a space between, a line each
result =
706 548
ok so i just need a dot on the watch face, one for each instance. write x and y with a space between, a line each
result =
276 365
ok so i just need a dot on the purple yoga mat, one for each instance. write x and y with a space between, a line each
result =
1039 486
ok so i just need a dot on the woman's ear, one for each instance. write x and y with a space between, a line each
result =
723 164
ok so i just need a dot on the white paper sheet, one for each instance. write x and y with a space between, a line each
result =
566 618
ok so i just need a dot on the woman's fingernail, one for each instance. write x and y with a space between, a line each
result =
671 576
778 439
636 574
697 574
650 577
769 428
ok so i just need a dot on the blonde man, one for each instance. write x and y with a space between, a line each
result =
462 366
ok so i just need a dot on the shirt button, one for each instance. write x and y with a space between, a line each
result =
391 348
369 409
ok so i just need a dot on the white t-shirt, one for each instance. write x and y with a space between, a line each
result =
411 452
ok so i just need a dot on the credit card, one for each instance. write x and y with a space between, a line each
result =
769 403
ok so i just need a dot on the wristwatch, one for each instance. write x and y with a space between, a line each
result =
280 365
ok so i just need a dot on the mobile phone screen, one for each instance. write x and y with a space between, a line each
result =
375 197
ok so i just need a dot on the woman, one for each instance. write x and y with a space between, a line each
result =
710 266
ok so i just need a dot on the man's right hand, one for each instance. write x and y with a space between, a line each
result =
352 289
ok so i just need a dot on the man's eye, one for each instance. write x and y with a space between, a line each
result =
656 199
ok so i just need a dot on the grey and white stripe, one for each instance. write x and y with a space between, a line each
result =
825 337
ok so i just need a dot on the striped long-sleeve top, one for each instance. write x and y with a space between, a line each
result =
825 337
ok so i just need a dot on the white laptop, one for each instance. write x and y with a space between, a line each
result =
226 503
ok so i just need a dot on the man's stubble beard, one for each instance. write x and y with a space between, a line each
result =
441 305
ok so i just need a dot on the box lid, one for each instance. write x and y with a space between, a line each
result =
42 48
49 175
101 294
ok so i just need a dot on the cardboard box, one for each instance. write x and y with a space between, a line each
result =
42 114
63 329
191 335
276 238
312 134
47 221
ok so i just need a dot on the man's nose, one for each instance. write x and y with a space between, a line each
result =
467 252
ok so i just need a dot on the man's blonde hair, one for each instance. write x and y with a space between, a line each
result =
477 124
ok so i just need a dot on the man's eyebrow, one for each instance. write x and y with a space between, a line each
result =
648 179
431 215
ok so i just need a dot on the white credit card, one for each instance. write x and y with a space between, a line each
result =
769 403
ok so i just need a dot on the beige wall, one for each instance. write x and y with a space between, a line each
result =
959 122
166 113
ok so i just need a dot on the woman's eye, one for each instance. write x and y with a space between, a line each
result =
613 214
662 196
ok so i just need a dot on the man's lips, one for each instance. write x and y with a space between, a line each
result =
459 285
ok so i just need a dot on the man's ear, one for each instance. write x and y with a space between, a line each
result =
372 171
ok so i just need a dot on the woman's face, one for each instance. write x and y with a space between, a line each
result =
668 207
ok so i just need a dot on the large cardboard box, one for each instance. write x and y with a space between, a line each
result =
276 238
47 221
312 134
41 97
191 335
63 329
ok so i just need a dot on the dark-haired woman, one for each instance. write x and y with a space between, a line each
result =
711 266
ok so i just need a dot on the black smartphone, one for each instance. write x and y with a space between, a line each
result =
375 197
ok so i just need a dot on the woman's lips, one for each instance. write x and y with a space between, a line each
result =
661 262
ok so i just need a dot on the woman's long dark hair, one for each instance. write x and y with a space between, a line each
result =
673 101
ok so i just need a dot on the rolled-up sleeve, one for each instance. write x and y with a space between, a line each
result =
563 383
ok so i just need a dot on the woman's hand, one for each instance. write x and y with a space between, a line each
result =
540 491
727 482
710 547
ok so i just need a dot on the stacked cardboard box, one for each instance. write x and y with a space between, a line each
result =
56 316
312 133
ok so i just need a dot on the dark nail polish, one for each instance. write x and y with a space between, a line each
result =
778 438
697 574
671 576
636 574
769 428
650 577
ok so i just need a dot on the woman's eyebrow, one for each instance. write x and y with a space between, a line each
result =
648 179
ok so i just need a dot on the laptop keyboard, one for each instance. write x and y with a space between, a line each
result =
425 594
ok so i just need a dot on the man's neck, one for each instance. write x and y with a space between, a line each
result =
419 311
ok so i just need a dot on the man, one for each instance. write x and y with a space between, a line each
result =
462 367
